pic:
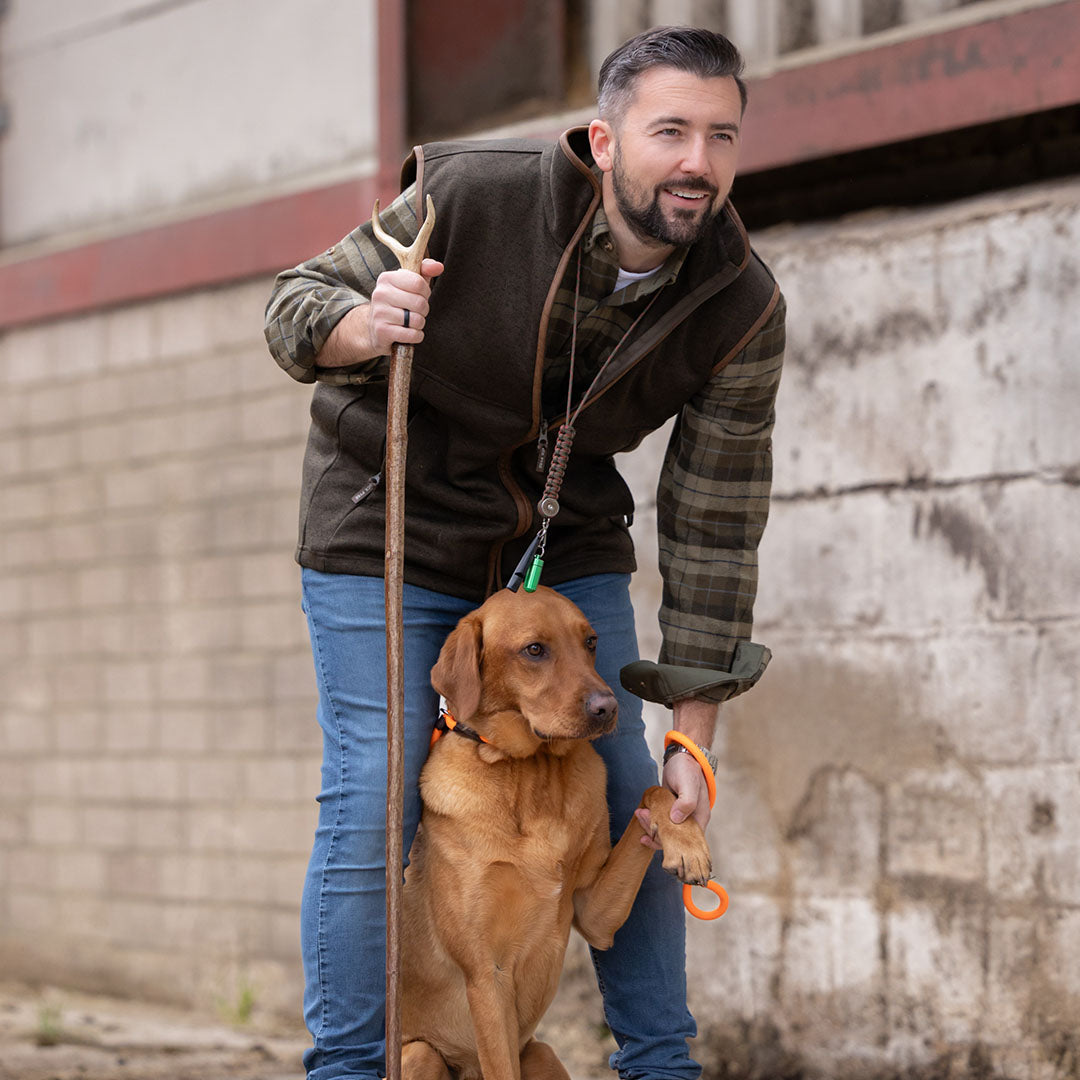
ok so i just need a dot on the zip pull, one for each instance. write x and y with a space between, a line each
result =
542 446
368 488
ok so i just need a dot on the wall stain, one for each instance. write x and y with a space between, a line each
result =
1043 814
967 540
894 330
813 715
996 302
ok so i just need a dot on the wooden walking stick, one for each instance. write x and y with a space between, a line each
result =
397 414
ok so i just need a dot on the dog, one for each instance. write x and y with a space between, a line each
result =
513 846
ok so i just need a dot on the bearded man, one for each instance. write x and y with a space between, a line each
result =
605 278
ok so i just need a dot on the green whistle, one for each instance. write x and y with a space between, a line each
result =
532 578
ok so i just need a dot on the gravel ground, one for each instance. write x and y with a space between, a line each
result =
54 1034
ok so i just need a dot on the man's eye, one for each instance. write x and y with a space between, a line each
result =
535 649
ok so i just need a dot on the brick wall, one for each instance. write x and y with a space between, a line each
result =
157 750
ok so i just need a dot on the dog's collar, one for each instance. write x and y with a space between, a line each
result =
446 722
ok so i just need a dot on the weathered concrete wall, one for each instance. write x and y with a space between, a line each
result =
122 108
898 799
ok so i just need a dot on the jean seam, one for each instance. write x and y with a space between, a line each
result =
613 1061
320 933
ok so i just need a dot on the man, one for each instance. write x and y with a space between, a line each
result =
606 277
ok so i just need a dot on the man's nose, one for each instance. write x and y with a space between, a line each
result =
695 161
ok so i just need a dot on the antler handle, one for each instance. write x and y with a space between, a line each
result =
410 257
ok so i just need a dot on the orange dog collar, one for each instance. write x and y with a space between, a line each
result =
446 722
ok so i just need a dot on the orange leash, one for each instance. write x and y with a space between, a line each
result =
710 783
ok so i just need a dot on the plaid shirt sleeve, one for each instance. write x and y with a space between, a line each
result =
712 504
307 302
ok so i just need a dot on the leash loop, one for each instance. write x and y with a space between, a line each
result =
710 784
712 913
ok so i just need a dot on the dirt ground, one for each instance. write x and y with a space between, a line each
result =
47 1033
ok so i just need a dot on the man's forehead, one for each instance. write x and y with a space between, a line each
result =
664 92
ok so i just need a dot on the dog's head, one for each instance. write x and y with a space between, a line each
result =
521 670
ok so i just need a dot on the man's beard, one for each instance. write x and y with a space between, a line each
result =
645 217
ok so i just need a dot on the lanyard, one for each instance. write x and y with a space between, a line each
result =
532 562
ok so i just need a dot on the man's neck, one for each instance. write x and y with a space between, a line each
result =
635 254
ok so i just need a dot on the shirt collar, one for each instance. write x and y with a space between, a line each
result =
598 239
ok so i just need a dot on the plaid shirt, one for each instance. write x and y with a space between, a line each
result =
713 495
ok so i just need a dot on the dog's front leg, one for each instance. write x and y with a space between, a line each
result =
604 904
495 1023
480 934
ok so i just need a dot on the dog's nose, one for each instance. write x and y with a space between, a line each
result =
601 706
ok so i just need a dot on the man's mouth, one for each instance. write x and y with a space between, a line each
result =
689 196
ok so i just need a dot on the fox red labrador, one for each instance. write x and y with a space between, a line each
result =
513 846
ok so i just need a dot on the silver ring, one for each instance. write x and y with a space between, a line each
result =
406 310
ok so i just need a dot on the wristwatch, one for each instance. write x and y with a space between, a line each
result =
678 748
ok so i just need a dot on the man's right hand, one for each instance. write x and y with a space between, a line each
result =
371 329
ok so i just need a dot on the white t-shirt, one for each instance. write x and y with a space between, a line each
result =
628 277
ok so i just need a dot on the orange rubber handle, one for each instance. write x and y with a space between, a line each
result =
713 913
710 783
699 757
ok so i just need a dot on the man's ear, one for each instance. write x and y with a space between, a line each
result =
602 144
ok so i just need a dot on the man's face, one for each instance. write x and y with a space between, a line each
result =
674 154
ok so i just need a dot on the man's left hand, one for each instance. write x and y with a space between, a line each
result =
682 774
683 777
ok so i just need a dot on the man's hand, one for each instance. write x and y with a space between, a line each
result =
371 329
682 773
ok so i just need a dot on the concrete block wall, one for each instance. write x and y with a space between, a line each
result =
158 759
898 798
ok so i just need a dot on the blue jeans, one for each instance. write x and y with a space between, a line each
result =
343 920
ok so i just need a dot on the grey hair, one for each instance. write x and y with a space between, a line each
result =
691 49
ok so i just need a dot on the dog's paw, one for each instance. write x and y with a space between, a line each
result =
686 855
685 850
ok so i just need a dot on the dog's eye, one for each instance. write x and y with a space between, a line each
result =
534 649
590 643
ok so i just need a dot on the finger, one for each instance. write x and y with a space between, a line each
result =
388 328
410 320
644 819
393 284
686 804
431 268
388 295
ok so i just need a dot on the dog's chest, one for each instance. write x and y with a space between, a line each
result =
539 815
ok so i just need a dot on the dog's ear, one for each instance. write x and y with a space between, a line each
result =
456 674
